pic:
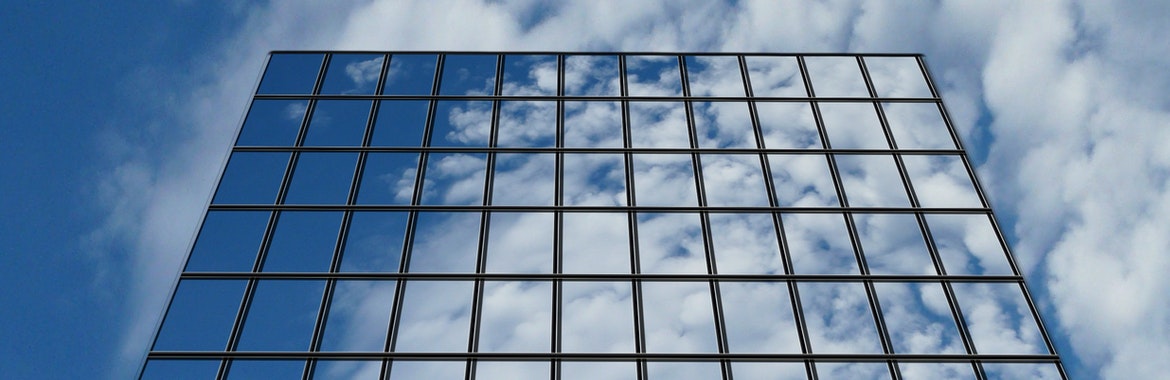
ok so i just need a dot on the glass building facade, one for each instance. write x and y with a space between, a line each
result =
429 215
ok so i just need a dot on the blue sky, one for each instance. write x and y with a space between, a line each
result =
118 116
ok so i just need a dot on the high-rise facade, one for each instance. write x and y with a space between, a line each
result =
422 215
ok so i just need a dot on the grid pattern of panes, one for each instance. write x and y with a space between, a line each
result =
599 216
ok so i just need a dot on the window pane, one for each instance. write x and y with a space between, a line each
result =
671 243
348 370
859 371
201 315
683 370
593 125
410 74
266 369
678 317
838 319
656 75
758 317
388 178
462 124
734 180
291 74
374 243
802 181
352 74
941 181
893 244
968 244
435 317
530 75
1038 371
745 243
520 243
595 75
359 315
596 243
998 317
527 124
599 370
303 241
273 123
871 181
517 317
775 76
918 318
658 125
788 126
400 123
511 370
338 123
469 74
228 241
445 242
819 244
768 371
897 77
322 178
281 316
180 369
714 76
836 77
664 180
918 126
594 180
524 179
597 317
931 371
252 178
724 125
437 370
853 126
454 179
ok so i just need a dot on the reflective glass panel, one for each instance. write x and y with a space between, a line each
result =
228 241
338 123
897 77
410 74
527 124
273 123
918 126
348 369
322 178
517 317
201 315
445 242
266 369
775 76
788 126
758 318
594 180
941 181
281 316
724 125
659 125
388 178
664 180
291 73
745 243
251 178
683 370
180 369
374 243
438 370
524 179
599 370
819 244
597 317
435 317
768 371
510 370
871 181
998 317
593 125
352 74
671 243
359 314
802 180
858 371
469 74
400 123
893 244
836 77
303 241
1038 371
462 124
930 371
968 244
733 180
520 243
653 75
678 317
714 76
530 75
838 318
596 243
592 75
918 318
853 126
454 179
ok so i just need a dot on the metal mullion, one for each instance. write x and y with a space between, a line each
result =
412 222
558 224
250 290
952 299
335 264
632 221
705 221
485 224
